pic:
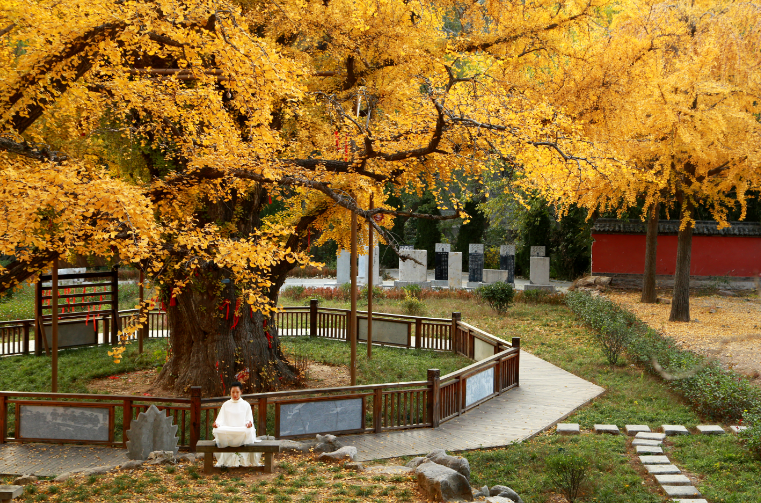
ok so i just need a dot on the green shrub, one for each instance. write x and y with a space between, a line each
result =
568 473
752 436
293 292
718 394
498 295
413 290
413 306
378 292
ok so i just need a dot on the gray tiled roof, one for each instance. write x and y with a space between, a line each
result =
702 227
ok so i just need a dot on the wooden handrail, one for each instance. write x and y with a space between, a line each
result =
485 336
477 366
83 396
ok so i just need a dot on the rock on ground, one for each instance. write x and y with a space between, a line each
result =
327 443
24 480
415 462
505 492
161 457
499 499
356 466
132 464
388 470
347 453
442 483
457 463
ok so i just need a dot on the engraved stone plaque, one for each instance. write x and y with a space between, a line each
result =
72 334
537 251
51 422
391 332
406 248
442 247
476 248
507 250
479 386
323 416
442 265
476 267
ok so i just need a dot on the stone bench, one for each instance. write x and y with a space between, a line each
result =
7 493
209 447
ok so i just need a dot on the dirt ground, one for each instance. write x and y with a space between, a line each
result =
728 328
141 382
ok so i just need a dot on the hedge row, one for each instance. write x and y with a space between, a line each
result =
716 393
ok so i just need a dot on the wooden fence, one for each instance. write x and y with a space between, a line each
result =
385 407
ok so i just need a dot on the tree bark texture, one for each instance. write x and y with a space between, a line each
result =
680 303
649 294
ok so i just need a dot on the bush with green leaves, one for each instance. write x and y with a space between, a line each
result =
569 473
752 433
716 393
413 290
498 295
412 306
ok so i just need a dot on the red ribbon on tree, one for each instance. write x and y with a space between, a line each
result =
266 332
235 313
269 198
226 303
309 239
338 142
172 301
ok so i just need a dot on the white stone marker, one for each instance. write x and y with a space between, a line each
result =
711 429
537 251
412 272
673 480
540 270
343 267
651 436
654 460
607 428
681 491
455 271
663 469
674 429
568 429
738 429
649 449
362 267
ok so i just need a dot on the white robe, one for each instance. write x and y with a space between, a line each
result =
231 431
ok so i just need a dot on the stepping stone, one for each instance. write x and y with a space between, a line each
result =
711 429
681 491
701 500
674 429
654 460
649 449
633 429
607 428
673 480
10 492
650 436
642 441
738 429
663 469
568 429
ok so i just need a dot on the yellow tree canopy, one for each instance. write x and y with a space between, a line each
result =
159 131
672 90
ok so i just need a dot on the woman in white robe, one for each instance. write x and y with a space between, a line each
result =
234 427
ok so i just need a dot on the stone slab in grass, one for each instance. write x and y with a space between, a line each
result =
663 469
701 500
681 491
642 441
738 429
674 429
568 429
711 429
650 436
633 429
611 429
649 449
654 460
672 480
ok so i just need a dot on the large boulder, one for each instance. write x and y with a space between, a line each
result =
415 462
442 483
388 470
499 499
505 492
346 453
457 463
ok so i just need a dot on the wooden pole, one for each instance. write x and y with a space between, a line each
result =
140 315
54 319
353 314
370 286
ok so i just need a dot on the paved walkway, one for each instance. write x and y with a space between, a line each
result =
546 395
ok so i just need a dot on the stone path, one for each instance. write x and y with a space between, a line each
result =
49 460
546 395
649 447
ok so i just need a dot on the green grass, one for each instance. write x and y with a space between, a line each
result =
76 367
387 365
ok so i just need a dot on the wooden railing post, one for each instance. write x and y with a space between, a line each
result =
261 428
434 396
517 344
115 307
195 417
38 327
126 420
378 410
313 317
418 332
3 418
25 347
106 325
456 317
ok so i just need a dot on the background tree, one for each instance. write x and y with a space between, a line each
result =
203 143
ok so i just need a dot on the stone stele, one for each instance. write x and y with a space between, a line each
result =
151 431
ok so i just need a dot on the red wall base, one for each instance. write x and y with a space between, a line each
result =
711 255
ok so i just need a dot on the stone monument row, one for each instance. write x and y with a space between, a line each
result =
475 265
507 261
540 270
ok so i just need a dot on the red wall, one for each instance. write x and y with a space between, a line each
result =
711 255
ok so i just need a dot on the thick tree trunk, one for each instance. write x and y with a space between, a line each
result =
649 294
680 303
207 351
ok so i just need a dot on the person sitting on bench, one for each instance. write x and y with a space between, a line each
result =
234 427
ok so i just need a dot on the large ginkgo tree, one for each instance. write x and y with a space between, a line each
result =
209 142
